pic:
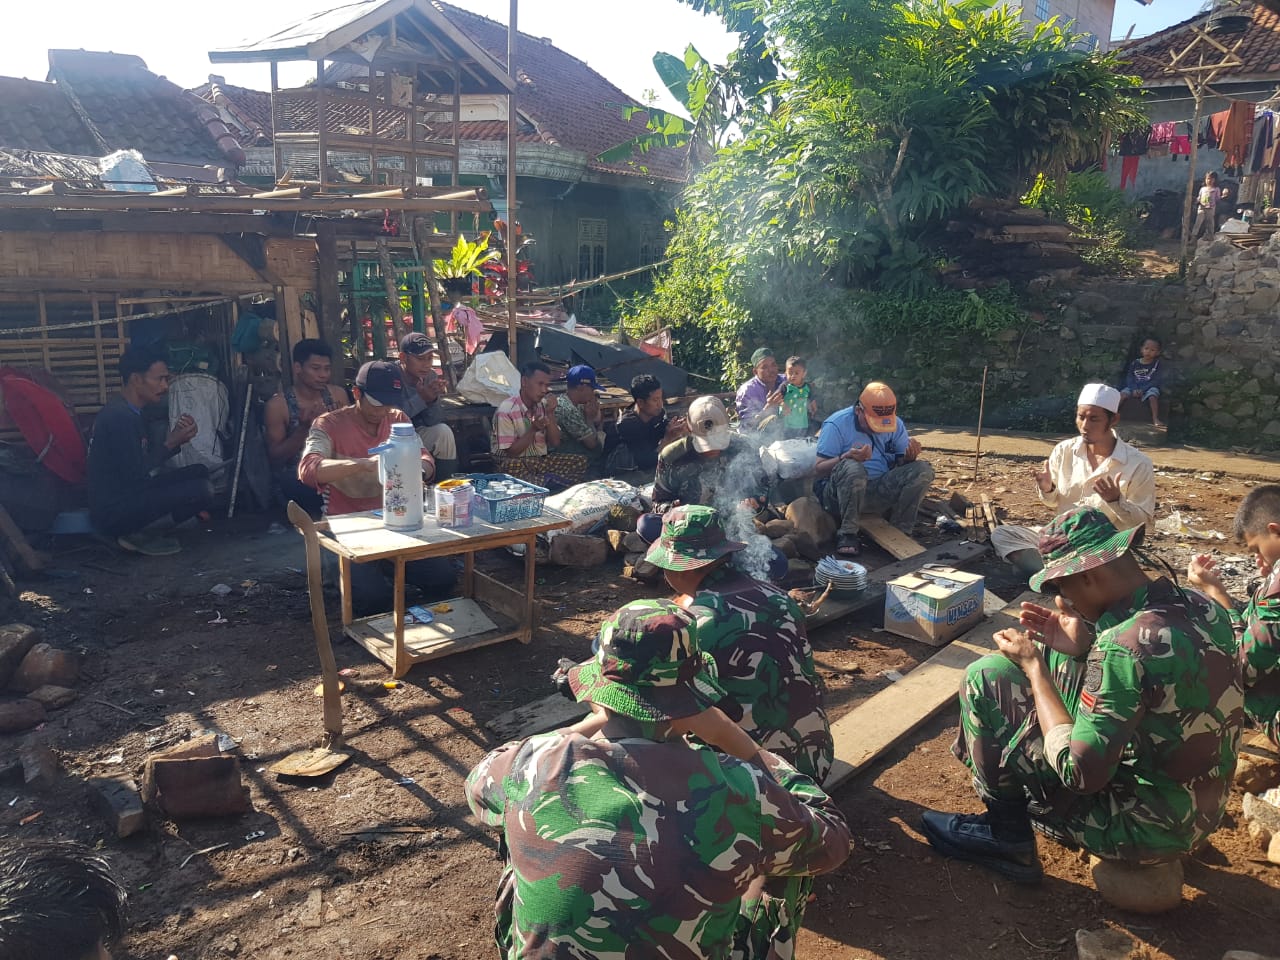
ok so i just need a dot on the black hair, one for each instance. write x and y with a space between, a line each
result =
1153 338
58 901
304 350
643 386
138 360
534 366
797 362
1260 507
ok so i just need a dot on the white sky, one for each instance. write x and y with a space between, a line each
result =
616 37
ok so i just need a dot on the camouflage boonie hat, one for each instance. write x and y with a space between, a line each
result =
692 537
1079 541
649 665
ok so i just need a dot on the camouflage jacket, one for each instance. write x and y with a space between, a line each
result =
685 476
757 636
1157 724
635 848
1259 632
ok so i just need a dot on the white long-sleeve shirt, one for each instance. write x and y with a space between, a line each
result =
1073 480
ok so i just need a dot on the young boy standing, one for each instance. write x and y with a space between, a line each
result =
798 403
1144 379
1257 525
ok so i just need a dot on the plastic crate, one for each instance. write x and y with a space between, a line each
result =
505 507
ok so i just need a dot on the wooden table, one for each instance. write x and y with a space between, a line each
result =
487 611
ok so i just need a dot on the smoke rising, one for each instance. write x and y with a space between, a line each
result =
738 481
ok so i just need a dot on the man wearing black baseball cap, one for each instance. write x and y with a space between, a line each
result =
420 402
336 462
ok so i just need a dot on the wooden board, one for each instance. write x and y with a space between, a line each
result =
549 713
876 724
955 553
892 540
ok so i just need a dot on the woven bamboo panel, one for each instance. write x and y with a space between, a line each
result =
169 260
293 261
89 381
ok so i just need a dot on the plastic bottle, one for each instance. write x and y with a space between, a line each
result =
400 471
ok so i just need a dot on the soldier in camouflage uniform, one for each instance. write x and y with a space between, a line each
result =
1124 743
626 840
756 634
710 460
1257 526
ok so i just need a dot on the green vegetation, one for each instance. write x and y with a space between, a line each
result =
1098 210
882 121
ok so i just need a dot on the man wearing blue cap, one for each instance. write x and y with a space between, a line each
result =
579 416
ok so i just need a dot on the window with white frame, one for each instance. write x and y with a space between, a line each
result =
593 246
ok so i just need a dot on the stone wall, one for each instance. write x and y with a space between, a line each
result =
1226 342
1218 330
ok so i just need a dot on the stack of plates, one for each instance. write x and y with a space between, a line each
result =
843 575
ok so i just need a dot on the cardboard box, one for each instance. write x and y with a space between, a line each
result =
933 605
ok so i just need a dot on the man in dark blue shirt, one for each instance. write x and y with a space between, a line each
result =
127 491
868 464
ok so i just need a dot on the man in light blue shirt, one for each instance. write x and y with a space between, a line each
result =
868 464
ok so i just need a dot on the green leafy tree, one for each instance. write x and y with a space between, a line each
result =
883 120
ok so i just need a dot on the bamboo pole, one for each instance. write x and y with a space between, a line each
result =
982 407
512 270
420 229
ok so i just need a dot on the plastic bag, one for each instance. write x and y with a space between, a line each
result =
490 379
127 171
789 459
588 504
1176 525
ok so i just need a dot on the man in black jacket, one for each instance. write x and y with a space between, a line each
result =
127 491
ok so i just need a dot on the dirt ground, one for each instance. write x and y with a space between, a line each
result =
381 860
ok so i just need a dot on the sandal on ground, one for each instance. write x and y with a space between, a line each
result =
848 548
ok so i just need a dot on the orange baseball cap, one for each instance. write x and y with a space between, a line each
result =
879 407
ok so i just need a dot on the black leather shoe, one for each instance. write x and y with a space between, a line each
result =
970 837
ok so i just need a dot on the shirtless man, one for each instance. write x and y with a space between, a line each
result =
289 415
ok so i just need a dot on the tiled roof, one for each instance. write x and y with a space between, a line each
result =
1149 56
250 110
567 100
37 116
133 108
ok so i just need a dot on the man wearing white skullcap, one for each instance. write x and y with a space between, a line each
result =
1095 469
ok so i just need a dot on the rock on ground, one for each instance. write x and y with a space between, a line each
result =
16 641
1104 944
810 519
45 664
1140 888
18 715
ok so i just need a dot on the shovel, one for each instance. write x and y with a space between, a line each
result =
329 755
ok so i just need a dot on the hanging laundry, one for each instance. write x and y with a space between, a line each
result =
1263 140
1236 134
1163 132
1134 143
1180 146
1128 171
1209 134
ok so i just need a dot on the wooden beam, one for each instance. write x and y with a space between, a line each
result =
878 723
357 28
327 286
894 542
229 204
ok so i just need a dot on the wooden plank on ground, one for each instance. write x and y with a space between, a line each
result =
953 553
549 713
876 724
894 542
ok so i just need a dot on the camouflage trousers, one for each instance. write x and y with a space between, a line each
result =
1001 743
770 918
849 494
